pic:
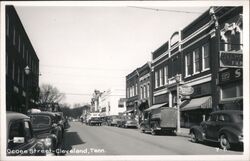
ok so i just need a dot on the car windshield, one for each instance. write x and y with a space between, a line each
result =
40 120
95 118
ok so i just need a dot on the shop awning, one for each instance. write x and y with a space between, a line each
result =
155 106
198 103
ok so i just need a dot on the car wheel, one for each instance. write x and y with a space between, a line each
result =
142 130
153 131
193 137
224 142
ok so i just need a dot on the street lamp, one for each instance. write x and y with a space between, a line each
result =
178 80
27 72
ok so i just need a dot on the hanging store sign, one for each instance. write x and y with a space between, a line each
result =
231 59
186 90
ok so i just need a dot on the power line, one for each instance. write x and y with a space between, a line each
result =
165 10
88 68
87 94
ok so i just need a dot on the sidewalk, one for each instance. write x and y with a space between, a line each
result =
184 132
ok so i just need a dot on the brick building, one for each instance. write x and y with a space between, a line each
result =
22 90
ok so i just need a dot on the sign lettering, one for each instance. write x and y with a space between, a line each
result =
231 59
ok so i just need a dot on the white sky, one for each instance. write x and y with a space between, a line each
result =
86 48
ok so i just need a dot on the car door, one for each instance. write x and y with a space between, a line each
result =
210 126
20 129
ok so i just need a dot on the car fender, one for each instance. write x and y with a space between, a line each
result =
199 132
231 134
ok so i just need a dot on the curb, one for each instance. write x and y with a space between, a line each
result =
183 134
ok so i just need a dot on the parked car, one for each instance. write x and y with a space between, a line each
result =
127 121
95 121
61 120
47 124
162 119
112 121
225 127
21 139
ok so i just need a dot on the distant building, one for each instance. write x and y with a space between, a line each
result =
132 92
145 89
21 90
112 102
95 100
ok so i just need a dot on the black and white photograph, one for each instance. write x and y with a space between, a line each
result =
124 80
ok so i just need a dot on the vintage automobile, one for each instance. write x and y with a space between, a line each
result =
21 139
61 120
47 124
225 127
95 121
127 121
112 121
159 119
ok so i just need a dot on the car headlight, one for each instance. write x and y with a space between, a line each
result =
47 142
240 137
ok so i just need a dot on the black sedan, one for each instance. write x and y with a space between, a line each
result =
21 139
225 127
47 124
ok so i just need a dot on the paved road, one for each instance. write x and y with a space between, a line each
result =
81 139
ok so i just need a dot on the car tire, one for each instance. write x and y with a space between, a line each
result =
142 130
153 132
224 142
193 137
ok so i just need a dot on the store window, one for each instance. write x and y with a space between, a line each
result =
188 65
231 90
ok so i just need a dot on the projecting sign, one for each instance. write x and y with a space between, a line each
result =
231 59
186 90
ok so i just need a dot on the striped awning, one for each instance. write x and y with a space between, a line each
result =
198 103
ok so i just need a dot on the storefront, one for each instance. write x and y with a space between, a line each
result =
231 89
198 108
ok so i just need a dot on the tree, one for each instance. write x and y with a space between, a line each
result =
49 94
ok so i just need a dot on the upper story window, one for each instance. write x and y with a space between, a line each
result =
7 25
145 91
188 65
7 63
14 36
19 44
127 92
136 88
165 75
161 77
232 41
148 87
13 70
156 79
196 62
23 50
232 37
205 57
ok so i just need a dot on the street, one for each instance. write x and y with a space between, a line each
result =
81 139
